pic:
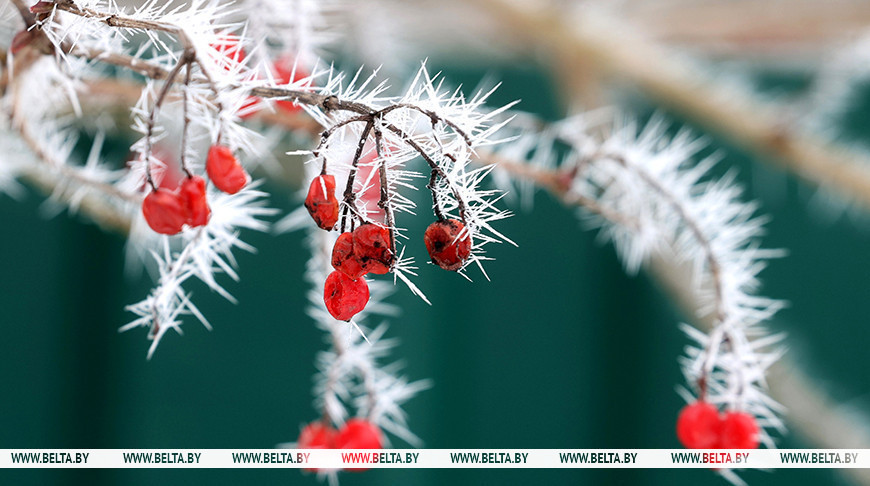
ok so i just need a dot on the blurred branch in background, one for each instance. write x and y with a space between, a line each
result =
615 52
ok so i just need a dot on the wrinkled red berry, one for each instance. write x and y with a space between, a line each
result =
164 211
345 297
371 246
196 203
359 433
738 430
321 202
444 246
224 170
316 435
698 426
343 258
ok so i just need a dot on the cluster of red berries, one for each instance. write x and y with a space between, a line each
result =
167 209
369 249
356 433
701 426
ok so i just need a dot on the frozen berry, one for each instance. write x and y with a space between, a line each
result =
345 297
698 426
343 258
196 203
316 435
739 430
359 433
445 247
164 211
224 170
371 246
321 202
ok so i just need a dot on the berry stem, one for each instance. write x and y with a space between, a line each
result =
186 122
185 59
349 196
383 203
436 169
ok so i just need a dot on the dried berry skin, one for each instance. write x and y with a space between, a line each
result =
739 430
164 211
196 203
224 170
444 249
343 258
343 296
316 435
371 245
359 433
321 202
698 426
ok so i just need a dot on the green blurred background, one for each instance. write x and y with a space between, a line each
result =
560 350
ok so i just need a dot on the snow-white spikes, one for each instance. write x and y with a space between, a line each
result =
371 138
650 196
205 252
350 379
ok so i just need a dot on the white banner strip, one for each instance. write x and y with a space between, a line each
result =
434 458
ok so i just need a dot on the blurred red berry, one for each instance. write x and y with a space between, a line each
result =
164 211
235 54
359 433
316 435
196 203
739 430
698 426
224 170
321 202
345 297
287 71
445 247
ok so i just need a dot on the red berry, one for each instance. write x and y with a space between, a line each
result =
285 73
444 246
321 202
739 430
164 211
316 435
196 203
371 246
359 433
343 258
345 297
224 170
698 426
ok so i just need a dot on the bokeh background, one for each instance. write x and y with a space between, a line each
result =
560 350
